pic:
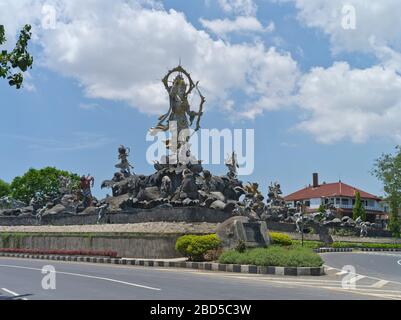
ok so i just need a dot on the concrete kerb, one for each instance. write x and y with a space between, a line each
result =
331 250
211 266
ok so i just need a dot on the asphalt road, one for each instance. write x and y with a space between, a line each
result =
22 279
384 266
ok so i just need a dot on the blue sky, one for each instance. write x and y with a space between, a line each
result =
326 100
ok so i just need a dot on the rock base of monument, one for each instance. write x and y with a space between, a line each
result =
182 214
241 230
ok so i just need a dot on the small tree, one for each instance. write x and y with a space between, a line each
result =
19 58
322 209
388 170
358 210
4 188
41 184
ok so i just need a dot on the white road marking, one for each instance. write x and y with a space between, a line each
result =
356 278
399 262
86 276
12 293
379 284
341 273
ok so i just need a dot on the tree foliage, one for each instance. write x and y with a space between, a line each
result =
358 210
42 185
4 188
18 59
388 170
322 209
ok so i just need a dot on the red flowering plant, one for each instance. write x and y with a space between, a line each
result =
111 254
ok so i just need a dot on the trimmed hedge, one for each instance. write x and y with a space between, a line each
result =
274 256
366 245
196 247
280 239
311 244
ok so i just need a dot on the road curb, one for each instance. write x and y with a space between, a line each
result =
233 268
329 250
381 249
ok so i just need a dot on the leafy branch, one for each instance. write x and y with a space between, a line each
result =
18 58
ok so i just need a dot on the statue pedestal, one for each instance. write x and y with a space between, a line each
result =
241 229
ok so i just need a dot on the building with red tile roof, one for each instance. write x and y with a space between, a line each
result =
341 195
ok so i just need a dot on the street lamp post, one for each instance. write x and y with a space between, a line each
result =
302 224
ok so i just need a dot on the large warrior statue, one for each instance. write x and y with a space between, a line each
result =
179 113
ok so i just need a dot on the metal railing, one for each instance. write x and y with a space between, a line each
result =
350 206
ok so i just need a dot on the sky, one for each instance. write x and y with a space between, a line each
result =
318 81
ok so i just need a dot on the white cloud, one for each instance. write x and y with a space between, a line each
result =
342 103
239 7
379 19
222 27
117 50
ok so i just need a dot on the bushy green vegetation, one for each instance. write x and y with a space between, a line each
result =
366 245
4 188
359 210
274 256
311 244
280 239
195 247
388 170
39 184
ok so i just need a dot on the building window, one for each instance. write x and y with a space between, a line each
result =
345 201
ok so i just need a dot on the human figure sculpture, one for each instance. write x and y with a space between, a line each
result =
166 187
86 183
364 230
232 165
124 165
101 212
299 217
179 113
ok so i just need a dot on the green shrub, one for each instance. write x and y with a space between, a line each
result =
312 244
195 247
4 188
366 245
274 256
280 239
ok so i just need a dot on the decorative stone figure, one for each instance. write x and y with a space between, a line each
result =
166 187
87 182
124 165
364 230
232 165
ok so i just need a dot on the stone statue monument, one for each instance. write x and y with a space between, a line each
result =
179 117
